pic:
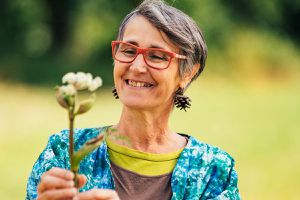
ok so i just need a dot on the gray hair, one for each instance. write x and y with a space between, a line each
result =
179 28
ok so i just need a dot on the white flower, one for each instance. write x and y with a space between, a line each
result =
82 81
97 82
89 78
93 86
69 78
68 90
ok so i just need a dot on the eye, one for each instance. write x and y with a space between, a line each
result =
157 56
126 49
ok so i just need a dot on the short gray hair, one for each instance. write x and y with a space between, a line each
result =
179 28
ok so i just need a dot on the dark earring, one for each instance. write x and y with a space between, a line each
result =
115 94
181 101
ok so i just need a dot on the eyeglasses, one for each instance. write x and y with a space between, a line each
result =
154 57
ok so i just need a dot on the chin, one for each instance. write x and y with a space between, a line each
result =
137 103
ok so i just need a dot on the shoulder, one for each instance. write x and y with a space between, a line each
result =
206 156
209 169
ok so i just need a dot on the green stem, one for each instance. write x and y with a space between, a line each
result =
71 142
71 133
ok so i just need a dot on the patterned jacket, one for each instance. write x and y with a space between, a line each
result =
202 171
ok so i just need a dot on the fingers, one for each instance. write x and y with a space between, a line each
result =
51 182
67 193
56 178
97 194
58 184
62 173
81 180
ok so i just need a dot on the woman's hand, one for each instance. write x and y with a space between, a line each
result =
97 194
58 184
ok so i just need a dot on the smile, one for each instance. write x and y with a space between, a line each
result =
138 83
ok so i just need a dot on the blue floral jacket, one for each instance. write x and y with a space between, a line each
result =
202 171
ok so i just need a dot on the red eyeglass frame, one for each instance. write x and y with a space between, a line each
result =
142 51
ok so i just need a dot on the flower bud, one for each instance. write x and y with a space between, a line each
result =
97 82
81 82
89 78
68 90
69 78
65 95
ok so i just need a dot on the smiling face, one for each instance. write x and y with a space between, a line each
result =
139 86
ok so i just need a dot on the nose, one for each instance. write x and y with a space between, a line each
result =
139 65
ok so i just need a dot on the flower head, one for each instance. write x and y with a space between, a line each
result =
81 81
69 78
67 90
97 82
67 94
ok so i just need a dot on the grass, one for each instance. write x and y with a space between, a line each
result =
258 124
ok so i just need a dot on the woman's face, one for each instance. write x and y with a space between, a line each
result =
130 78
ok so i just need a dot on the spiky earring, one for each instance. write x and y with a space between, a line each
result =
115 93
181 101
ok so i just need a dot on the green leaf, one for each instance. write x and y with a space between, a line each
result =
86 105
87 148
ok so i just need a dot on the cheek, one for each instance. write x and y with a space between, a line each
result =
171 78
169 82
115 74
118 72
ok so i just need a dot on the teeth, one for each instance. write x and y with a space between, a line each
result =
138 84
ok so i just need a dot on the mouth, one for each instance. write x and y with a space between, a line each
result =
138 84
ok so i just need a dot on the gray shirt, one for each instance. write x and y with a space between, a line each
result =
133 186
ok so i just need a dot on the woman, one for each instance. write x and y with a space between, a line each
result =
158 52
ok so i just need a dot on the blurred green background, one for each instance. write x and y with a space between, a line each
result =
247 101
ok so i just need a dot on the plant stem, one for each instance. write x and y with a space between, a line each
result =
71 133
71 142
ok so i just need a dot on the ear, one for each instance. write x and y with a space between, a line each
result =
188 77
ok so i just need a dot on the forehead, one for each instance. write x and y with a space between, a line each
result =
145 34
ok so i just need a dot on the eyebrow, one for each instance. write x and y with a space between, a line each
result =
152 46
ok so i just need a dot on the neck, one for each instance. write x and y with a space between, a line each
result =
148 131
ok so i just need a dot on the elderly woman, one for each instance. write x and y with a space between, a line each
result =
158 52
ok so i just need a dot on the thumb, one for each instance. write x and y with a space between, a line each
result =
81 180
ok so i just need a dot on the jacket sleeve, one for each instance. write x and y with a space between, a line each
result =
231 191
54 155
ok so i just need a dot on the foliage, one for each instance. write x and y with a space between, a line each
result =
42 40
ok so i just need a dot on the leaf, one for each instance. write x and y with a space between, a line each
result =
86 105
61 100
87 148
